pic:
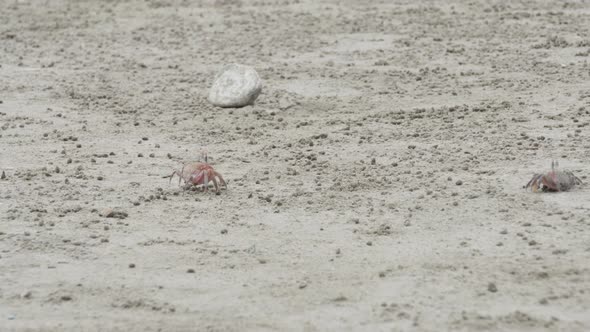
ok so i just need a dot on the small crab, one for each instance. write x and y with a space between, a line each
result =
554 180
199 173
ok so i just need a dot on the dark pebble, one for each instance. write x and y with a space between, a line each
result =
492 287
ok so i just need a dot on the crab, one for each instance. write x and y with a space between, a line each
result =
199 173
554 180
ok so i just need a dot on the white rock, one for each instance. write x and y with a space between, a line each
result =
236 86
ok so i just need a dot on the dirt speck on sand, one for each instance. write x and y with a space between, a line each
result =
397 135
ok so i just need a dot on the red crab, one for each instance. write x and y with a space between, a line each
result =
199 174
554 180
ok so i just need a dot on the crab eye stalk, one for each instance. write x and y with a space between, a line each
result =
204 155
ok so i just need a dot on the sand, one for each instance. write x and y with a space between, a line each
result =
376 184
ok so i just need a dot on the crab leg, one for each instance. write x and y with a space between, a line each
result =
206 181
221 180
575 178
171 176
181 175
214 180
533 182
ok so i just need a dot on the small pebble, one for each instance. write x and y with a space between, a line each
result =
492 287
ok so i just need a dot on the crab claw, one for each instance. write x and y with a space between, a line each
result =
533 183
535 187
197 179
